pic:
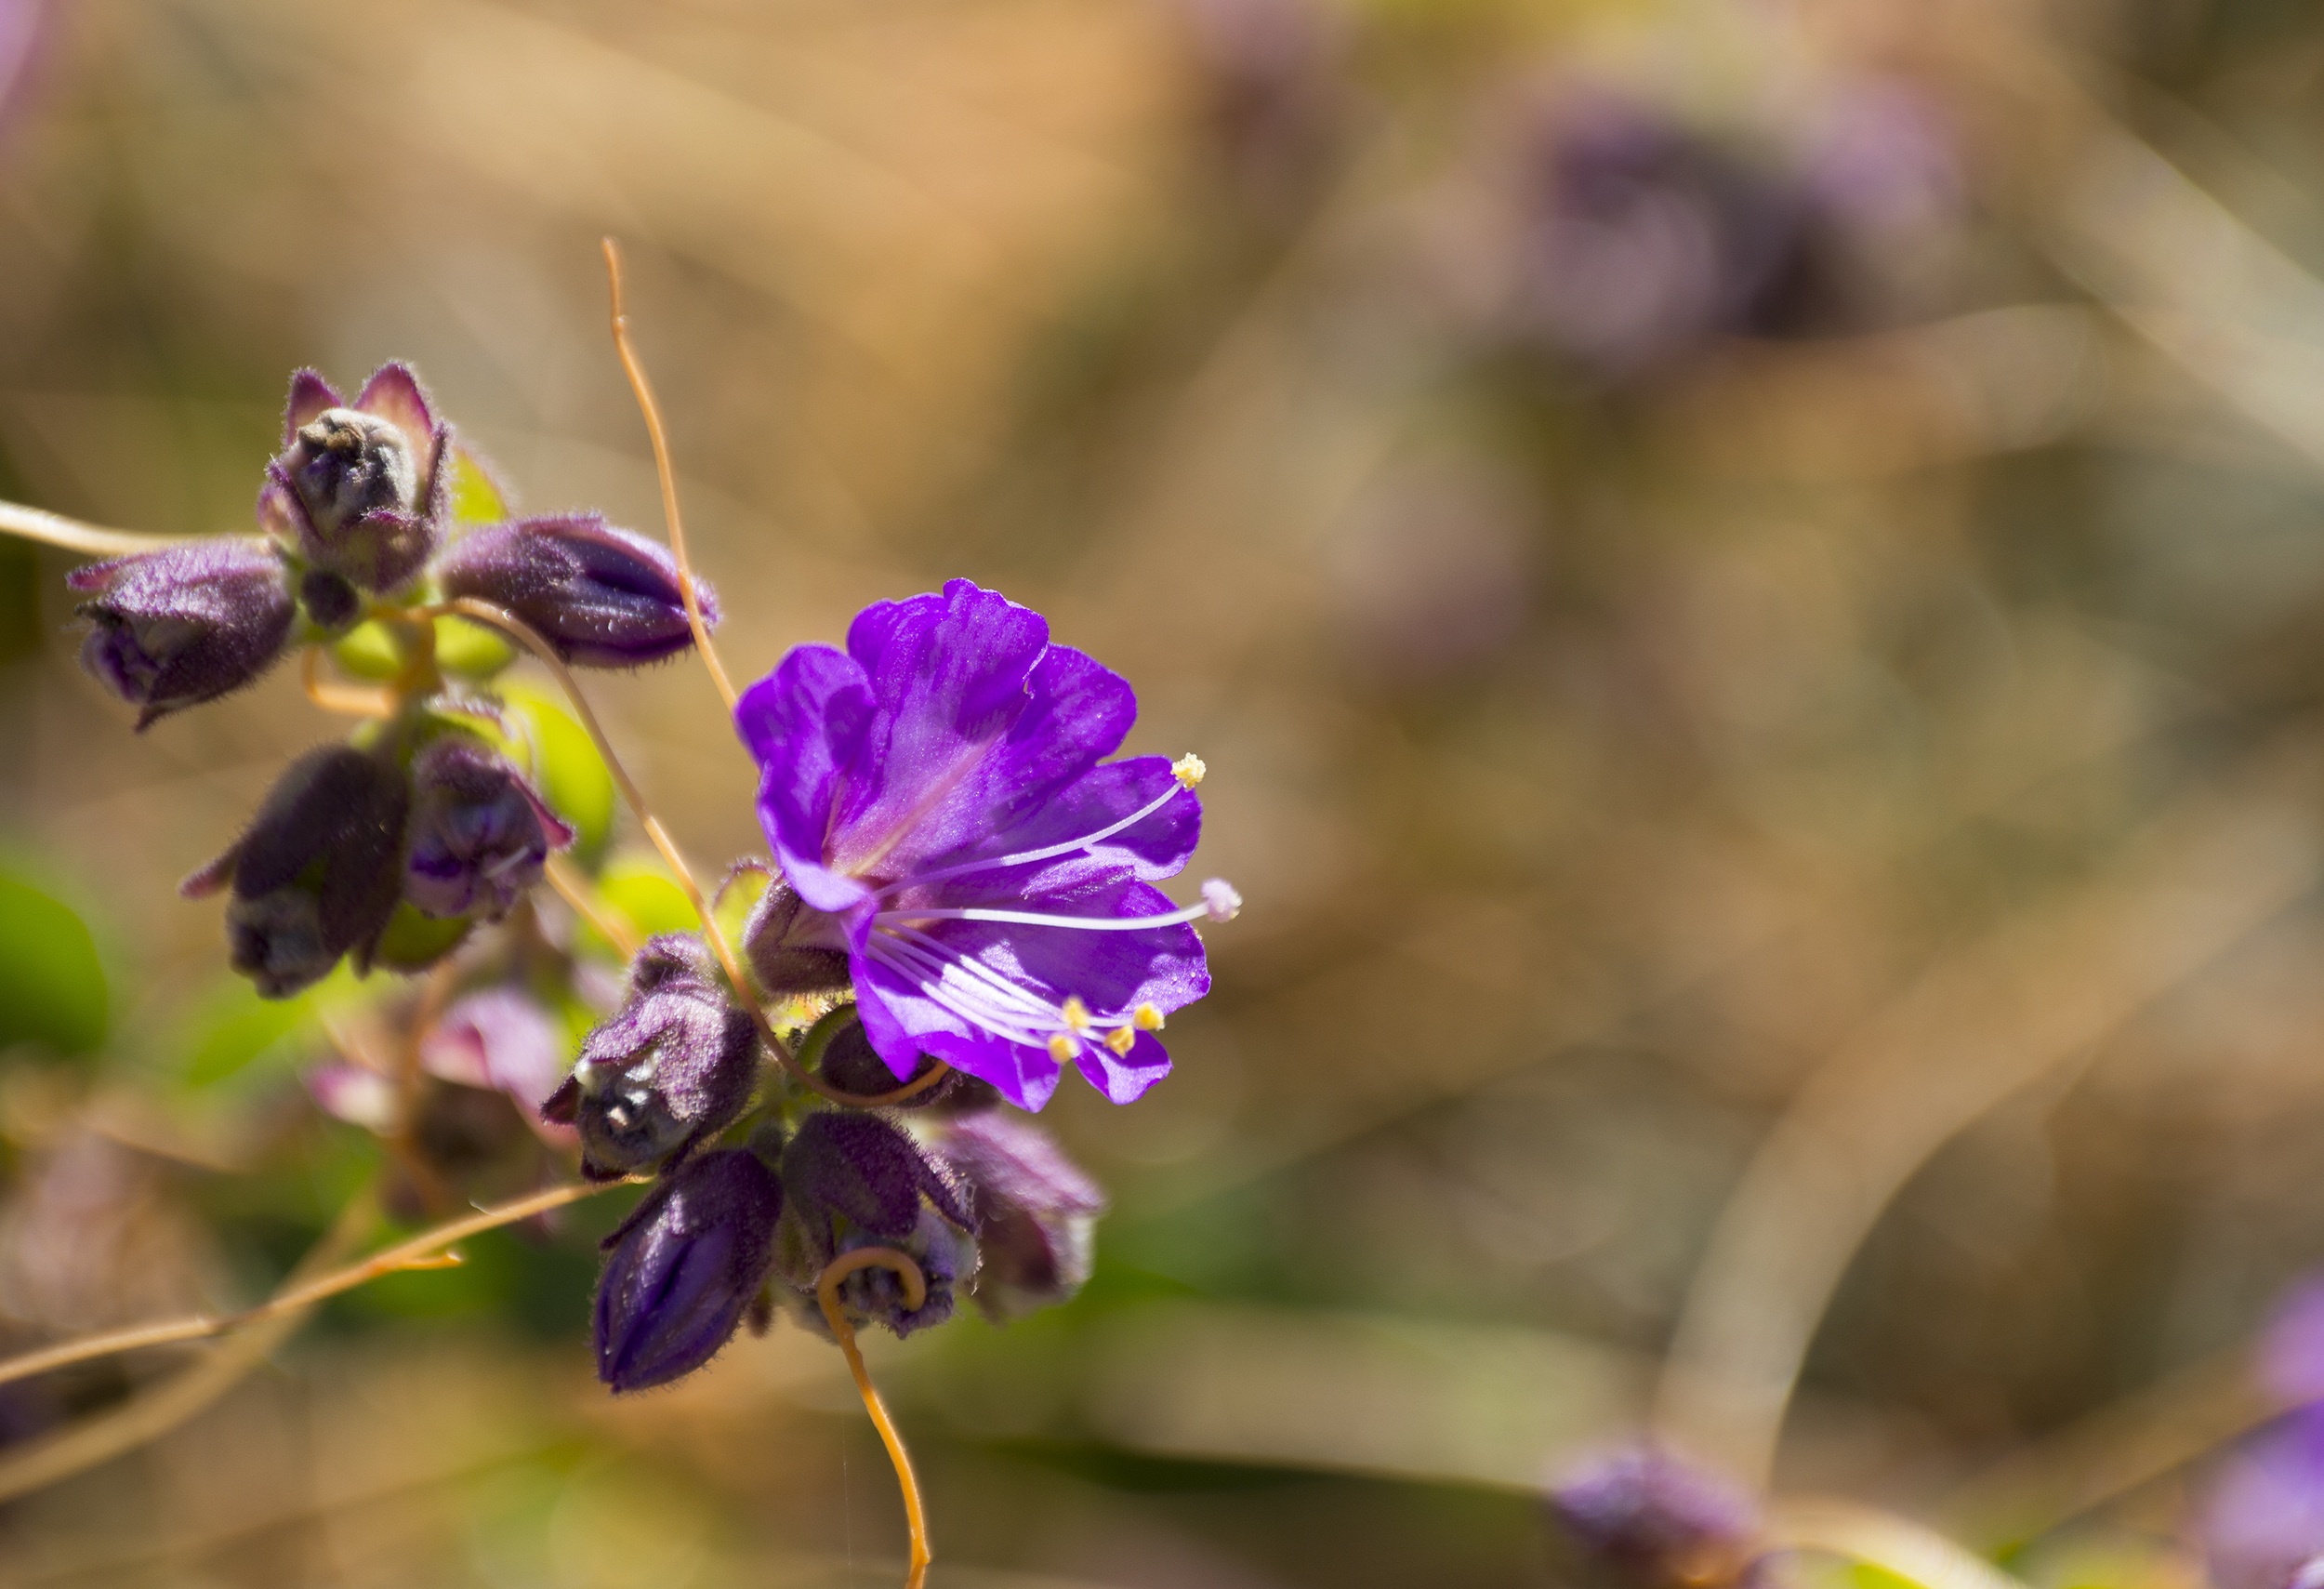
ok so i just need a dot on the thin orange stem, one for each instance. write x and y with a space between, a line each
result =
915 1295
348 700
668 476
423 1252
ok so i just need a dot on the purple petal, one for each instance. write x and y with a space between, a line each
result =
284 516
807 724
309 395
1124 1078
903 1022
393 393
949 674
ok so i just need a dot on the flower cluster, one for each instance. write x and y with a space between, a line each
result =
390 845
966 882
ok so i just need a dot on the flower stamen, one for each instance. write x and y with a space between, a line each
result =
1220 903
1186 773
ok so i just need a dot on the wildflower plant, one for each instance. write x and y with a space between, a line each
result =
824 1069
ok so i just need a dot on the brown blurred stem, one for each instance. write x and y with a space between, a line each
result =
524 635
94 540
422 1251
668 477
915 1295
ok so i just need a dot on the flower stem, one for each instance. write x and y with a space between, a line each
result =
668 477
94 541
1885 1541
422 1251
575 890
348 700
915 1294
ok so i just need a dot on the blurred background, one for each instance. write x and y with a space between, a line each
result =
1749 575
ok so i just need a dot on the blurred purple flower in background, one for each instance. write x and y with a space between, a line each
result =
1647 1519
1273 94
935 795
2262 1512
19 40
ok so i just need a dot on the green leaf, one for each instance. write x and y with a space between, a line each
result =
471 650
52 987
571 774
414 940
233 1028
368 651
641 888
738 899
477 497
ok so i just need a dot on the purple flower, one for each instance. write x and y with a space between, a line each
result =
1650 1519
498 1039
357 490
936 796
669 1071
188 624
1035 1212
479 832
318 871
603 597
685 1266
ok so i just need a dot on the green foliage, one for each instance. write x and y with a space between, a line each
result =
232 1029
414 940
471 650
573 777
639 887
52 985
477 497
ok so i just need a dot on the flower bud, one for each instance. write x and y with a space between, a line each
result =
875 1294
184 625
1650 1520
604 598
684 1267
1035 1212
851 1173
355 490
788 957
479 832
848 1062
671 1069
318 871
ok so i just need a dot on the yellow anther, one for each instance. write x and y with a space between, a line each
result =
1188 769
1121 1039
1061 1046
1146 1018
1076 1013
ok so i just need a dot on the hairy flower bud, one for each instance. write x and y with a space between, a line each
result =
604 598
1650 1520
684 1268
790 955
670 1070
356 490
479 832
318 871
1035 1212
188 624
849 1173
875 1294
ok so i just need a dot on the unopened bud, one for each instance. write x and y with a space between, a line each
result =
188 624
355 489
851 1173
1035 1212
671 1068
790 952
683 1269
479 834
1647 1519
318 871
604 598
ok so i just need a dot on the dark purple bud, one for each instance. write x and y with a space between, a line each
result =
852 1173
671 1069
684 1268
847 1061
329 602
790 953
318 873
876 1294
184 625
356 490
1650 1520
604 598
1035 1212
479 832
